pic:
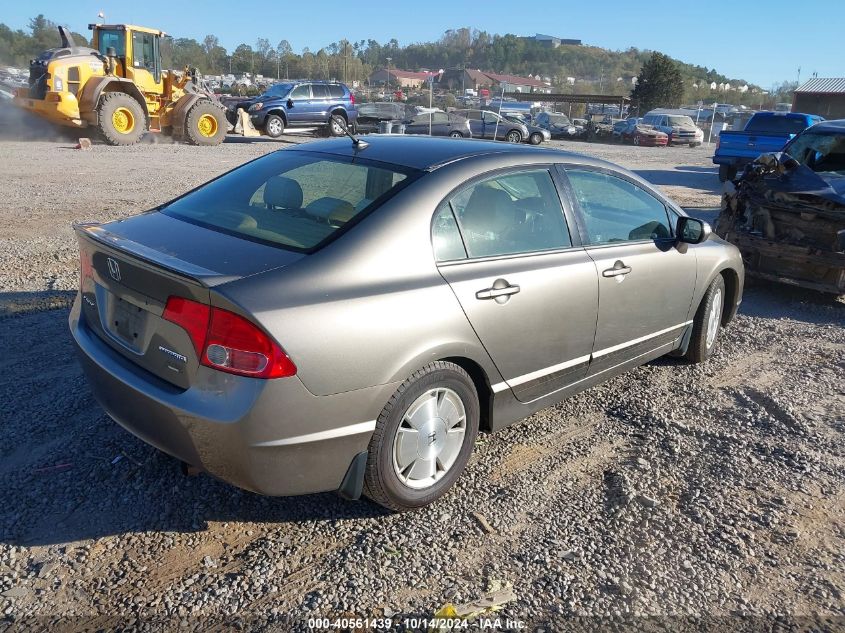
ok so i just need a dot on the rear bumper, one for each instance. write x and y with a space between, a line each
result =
273 437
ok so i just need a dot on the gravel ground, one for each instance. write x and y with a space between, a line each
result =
689 494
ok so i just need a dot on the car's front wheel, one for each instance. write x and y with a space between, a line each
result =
513 137
708 322
274 126
423 438
455 134
536 138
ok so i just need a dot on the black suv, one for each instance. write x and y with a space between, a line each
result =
326 104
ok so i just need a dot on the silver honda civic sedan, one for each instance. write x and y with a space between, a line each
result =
344 316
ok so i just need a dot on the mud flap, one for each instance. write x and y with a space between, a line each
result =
353 482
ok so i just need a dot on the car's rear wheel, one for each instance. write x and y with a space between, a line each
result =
636 140
423 438
708 322
337 125
513 137
536 138
274 126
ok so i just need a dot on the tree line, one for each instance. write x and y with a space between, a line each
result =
353 60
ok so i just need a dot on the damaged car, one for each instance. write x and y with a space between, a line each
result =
786 213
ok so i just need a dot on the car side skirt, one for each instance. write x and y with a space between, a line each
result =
507 409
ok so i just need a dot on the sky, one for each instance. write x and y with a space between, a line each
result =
763 42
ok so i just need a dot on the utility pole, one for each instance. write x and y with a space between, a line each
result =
388 76
799 75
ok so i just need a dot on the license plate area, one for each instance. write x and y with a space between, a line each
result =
124 321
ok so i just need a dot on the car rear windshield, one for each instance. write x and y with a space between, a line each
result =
776 124
294 199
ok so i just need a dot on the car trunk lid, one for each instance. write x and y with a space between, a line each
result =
131 268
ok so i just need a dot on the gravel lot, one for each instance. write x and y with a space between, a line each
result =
691 494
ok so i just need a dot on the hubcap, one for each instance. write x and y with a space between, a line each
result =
513 137
122 120
714 318
207 125
337 127
429 438
275 127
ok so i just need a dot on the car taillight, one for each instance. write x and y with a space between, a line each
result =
352 98
227 341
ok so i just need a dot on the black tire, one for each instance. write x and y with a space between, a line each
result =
726 172
700 349
337 125
381 483
205 124
535 139
455 134
274 126
636 140
513 136
116 107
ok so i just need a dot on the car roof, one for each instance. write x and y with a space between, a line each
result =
429 153
837 125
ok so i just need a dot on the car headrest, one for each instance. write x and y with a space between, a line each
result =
488 210
282 193
331 209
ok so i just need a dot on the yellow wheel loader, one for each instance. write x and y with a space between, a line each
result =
119 88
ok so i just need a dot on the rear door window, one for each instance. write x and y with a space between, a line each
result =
511 213
319 91
336 91
291 199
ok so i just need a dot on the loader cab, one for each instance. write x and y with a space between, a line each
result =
138 53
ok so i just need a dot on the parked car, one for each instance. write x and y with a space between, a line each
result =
323 104
637 133
765 132
439 124
618 127
489 125
371 114
558 125
347 316
787 211
680 128
536 134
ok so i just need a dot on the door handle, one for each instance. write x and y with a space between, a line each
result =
619 268
502 292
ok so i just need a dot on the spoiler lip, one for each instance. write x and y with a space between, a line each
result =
97 233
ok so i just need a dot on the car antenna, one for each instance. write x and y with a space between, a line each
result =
356 142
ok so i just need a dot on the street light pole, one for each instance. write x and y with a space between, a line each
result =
388 77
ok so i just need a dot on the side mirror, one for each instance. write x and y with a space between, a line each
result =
692 230
290 103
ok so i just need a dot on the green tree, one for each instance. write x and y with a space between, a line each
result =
659 84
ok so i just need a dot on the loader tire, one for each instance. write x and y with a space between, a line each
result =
120 119
205 124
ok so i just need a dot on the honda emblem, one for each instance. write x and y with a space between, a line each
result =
114 268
